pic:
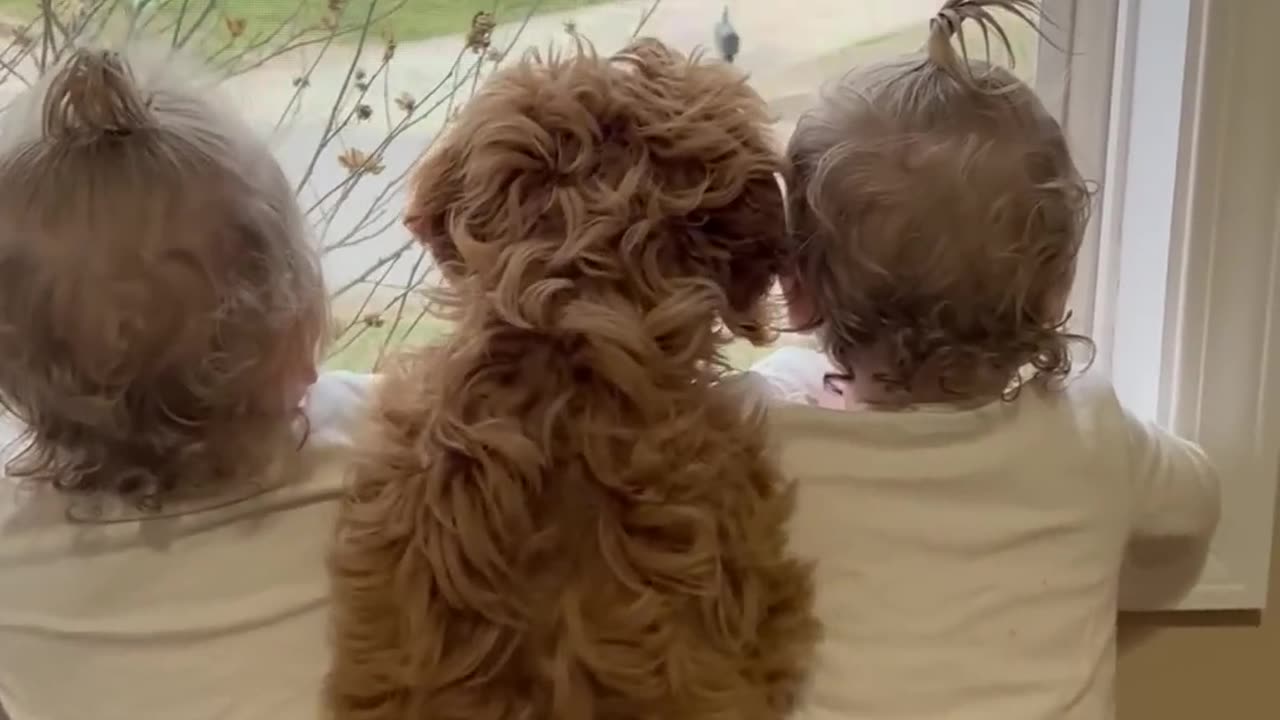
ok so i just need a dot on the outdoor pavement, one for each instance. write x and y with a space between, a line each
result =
789 47
786 48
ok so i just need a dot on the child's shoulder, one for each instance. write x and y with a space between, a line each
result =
1089 404
1086 391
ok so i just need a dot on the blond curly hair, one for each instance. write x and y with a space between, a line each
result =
565 514
156 284
936 218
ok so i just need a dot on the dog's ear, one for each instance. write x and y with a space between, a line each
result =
435 191
487 182
649 158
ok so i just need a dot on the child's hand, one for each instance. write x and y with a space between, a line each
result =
1175 488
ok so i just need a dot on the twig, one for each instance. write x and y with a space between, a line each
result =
177 22
259 41
95 12
422 312
348 185
644 18
348 241
199 23
11 68
533 10
342 92
24 51
372 269
364 305
404 125
351 340
297 43
46 17
52 17
303 80
156 10
386 99
359 100
414 281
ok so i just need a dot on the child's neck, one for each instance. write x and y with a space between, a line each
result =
866 389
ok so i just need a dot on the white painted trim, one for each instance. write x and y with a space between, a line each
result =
1190 219
1145 192
1222 384
1109 203
1074 77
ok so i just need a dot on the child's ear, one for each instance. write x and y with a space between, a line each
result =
801 313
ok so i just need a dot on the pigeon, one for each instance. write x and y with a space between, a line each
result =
727 41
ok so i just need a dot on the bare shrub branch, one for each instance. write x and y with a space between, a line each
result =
353 205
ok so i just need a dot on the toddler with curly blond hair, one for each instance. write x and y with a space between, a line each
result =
968 503
166 505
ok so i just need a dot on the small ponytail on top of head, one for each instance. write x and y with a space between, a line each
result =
91 96
948 25
157 287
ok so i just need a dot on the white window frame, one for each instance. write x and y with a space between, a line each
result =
1074 73
1175 107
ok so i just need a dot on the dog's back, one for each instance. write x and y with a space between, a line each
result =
563 514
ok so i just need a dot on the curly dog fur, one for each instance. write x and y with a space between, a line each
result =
564 513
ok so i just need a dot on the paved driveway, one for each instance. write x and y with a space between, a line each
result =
784 43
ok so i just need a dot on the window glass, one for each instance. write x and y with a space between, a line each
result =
789 50
353 91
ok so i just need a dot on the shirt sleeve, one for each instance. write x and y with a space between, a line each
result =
794 374
337 404
1175 487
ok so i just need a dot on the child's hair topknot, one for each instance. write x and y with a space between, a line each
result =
156 283
936 216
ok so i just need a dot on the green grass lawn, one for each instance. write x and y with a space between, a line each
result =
360 348
361 353
414 20
418 19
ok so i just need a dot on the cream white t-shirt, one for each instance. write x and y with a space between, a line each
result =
217 613
968 561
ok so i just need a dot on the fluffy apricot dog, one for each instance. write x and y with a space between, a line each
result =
566 513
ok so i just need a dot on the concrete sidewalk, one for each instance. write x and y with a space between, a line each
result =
783 46
780 42
789 48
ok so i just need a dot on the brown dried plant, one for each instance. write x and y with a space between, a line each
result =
362 47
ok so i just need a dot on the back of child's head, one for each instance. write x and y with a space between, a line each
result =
160 306
936 216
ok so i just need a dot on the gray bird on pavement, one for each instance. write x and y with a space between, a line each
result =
727 40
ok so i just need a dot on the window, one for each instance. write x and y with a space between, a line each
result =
1222 379
1170 106
789 49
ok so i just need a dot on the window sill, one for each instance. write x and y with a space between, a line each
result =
1188 289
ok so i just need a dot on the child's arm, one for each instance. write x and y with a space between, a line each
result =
1175 488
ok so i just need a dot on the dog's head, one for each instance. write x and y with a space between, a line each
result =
644 174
